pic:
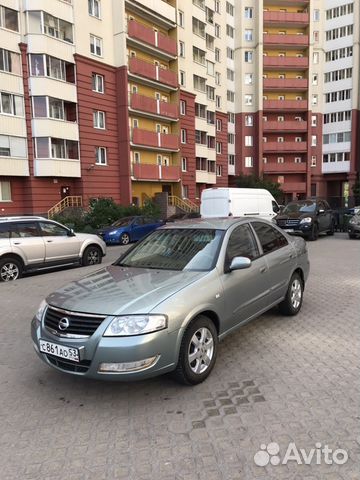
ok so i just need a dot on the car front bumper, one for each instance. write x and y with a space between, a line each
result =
303 229
354 229
161 347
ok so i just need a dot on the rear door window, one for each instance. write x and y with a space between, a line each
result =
53 230
270 238
26 229
4 230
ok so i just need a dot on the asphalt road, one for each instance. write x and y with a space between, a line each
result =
277 381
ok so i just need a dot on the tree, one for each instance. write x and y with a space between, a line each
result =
356 190
252 181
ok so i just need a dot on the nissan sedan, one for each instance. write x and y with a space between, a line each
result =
168 301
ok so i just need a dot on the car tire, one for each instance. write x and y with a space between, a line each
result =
314 234
197 352
124 239
10 269
352 236
332 229
292 302
91 256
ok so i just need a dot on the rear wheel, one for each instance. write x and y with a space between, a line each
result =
124 239
92 256
294 296
10 269
314 234
197 352
332 229
352 235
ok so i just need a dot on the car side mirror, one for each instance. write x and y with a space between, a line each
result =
71 233
239 263
276 208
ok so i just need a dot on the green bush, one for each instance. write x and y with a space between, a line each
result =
101 212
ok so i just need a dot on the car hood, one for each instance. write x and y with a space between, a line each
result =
294 215
111 228
88 236
119 290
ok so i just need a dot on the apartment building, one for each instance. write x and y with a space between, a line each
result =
283 97
129 98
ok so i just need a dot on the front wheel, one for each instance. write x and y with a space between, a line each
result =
352 236
10 269
124 239
294 296
314 234
197 352
91 256
332 229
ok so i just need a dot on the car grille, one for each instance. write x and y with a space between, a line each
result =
79 367
80 324
290 222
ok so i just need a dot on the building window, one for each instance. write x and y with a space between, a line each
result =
230 31
46 66
9 19
181 18
313 160
11 104
136 157
248 78
57 28
97 83
249 11
280 160
297 160
12 146
185 191
280 139
248 35
96 46
218 148
231 159
218 170
94 8
249 120
218 101
56 148
99 119
181 49
184 164
313 140
315 57
248 56
249 162
5 192
217 6
248 99
313 120
183 135
9 62
217 30
182 78
100 156
182 107
217 55
249 140
316 15
218 125
210 92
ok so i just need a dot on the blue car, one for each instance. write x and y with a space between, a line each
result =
129 229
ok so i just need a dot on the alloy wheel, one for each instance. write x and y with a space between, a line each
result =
201 350
9 271
295 293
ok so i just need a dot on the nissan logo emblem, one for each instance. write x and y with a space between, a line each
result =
63 323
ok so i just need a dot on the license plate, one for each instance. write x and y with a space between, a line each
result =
289 230
69 353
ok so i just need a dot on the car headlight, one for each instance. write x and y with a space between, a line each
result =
306 220
135 325
353 220
113 232
42 307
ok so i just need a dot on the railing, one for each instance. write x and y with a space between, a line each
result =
71 201
185 205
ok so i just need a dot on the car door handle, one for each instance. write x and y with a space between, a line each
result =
49 241
263 269
17 243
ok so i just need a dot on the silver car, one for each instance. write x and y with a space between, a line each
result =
166 303
35 243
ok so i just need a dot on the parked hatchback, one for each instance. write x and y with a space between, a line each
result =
166 303
129 229
307 218
34 243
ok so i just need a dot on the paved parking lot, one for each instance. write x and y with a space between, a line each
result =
277 381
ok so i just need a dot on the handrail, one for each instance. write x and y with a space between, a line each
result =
186 205
66 202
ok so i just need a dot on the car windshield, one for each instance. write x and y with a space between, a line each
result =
300 207
176 249
122 222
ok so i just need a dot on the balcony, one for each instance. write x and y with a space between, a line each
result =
288 63
336 167
203 176
14 167
287 167
285 84
51 167
152 172
286 126
156 41
159 11
298 187
154 140
45 127
278 105
288 40
153 74
153 106
288 19
284 147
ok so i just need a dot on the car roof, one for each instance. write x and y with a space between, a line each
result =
24 218
212 223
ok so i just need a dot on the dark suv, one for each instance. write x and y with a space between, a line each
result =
307 218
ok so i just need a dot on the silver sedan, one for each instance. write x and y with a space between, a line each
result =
168 301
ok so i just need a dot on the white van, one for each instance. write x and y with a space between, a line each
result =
238 202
